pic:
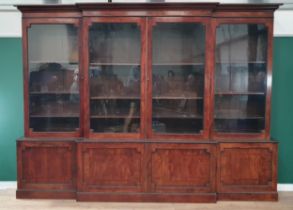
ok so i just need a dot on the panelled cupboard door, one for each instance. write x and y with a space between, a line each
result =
110 167
115 64
177 77
47 165
182 168
51 77
247 167
242 78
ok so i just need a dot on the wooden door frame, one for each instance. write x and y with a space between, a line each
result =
265 135
26 24
87 22
204 135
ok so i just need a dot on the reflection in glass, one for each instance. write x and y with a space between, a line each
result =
240 78
115 77
53 78
178 77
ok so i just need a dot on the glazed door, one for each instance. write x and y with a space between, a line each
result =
115 63
51 62
177 78
242 78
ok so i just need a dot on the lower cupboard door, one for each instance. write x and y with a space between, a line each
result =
182 168
247 167
110 167
46 166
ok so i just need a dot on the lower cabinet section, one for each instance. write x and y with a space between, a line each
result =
247 171
147 171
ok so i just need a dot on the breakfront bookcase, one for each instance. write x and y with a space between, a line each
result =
166 102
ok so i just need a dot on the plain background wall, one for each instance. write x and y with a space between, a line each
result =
282 106
11 104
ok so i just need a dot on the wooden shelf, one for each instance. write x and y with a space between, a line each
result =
177 116
114 64
53 93
243 131
177 97
178 64
241 62
113 116
63 62
115 97
54 115
239 93
238 117
155 64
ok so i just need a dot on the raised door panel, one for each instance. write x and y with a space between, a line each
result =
46 165
110 167
247 167
183 168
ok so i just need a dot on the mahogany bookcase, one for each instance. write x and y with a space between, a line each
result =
166 102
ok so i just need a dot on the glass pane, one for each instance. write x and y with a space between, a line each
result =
240 78
178 77
53 78
115 77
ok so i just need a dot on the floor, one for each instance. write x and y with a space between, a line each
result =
8 202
